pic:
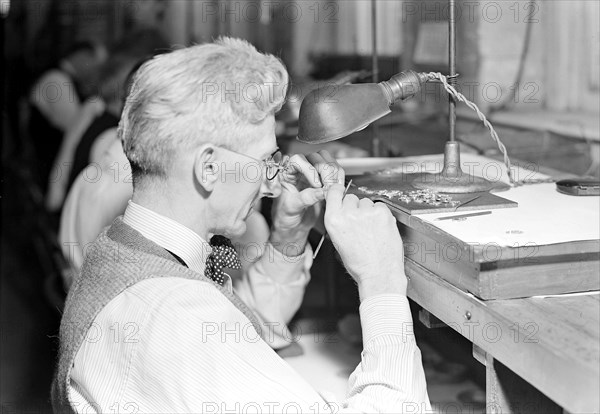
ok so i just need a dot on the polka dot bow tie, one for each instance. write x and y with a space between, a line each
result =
223 255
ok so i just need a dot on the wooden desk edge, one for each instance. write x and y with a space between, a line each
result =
575 388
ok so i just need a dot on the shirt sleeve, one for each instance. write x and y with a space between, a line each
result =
390 377
272 284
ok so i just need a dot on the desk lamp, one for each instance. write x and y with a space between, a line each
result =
337 111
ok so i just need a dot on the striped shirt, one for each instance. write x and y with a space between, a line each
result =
178 345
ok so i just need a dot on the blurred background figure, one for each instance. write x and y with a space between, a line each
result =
56 101
93 130
100 133
144 14
98 195
99 191
97 123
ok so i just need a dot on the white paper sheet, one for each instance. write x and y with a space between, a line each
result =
544 215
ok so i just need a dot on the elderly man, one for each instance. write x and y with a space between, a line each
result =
153 324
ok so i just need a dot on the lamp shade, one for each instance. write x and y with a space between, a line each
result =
334 112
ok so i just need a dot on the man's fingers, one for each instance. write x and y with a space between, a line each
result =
335 195
365 202
318 169
350 201
298 164
330 172
340 174
311 196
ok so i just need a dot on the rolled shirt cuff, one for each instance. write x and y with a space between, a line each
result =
387 314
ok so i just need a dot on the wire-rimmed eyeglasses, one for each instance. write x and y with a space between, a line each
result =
273 163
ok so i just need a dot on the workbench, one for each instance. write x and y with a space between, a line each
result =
542 353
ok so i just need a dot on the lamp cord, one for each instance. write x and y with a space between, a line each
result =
459 96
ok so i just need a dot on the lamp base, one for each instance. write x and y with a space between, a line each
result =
452 179
403 190
455 184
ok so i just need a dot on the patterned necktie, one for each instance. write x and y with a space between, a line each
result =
223 255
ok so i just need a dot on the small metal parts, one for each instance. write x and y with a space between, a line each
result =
425 196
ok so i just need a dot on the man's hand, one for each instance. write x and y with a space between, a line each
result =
304 183
366 236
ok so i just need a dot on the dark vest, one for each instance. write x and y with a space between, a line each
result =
118 259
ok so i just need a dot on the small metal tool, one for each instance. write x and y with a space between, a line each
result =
464 216
467 202
323 237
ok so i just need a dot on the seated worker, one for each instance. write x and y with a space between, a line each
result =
96 126
101 193
59 175
113 77
98 195
56 101
201 157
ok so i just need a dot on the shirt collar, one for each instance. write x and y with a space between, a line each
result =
169 234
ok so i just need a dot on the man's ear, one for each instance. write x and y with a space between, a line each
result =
206 168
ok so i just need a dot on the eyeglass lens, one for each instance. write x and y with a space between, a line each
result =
274 165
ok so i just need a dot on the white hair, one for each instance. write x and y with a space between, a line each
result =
205 93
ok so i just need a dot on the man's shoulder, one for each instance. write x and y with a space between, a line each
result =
123 266
173 298
103 248
158 288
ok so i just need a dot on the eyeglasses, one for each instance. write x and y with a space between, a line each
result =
273 164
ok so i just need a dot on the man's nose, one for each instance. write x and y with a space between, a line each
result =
271 188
